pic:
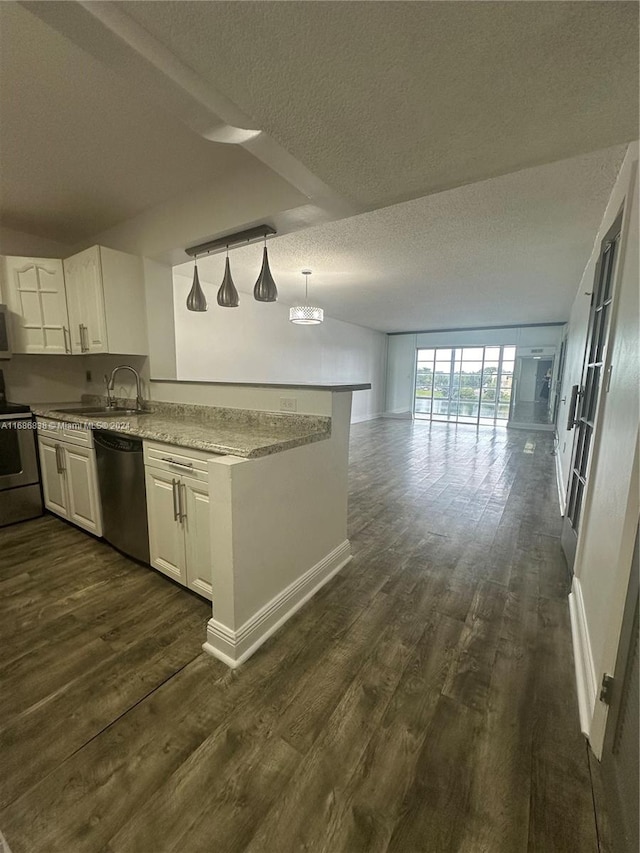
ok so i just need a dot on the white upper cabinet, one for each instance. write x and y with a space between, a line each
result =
105 293
35 293
85 298
92 302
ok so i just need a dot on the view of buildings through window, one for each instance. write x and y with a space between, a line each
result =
464 384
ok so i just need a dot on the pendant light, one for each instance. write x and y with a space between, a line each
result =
306 315
265 289
228 295
196 300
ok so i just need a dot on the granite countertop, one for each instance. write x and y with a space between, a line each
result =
229 432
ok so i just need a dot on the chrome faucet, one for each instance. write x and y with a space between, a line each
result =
112 381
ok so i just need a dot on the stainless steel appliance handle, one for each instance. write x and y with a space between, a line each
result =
173 462
65 332
176 499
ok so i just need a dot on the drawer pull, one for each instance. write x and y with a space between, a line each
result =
174 462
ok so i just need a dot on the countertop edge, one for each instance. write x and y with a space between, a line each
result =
363 386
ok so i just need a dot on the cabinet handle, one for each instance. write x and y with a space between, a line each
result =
84 346
183 514
173 462
60 459
176 508
65 332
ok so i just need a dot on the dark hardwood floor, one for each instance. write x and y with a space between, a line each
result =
424 700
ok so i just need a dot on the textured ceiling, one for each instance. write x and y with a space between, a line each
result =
386 101
508 250
80 150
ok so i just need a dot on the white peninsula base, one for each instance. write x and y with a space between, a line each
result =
278 534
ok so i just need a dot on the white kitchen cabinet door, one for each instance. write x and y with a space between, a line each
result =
34 290
85 298
54 483
166 536
82 487
195 504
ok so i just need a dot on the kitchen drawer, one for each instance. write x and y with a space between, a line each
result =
177 460
64 431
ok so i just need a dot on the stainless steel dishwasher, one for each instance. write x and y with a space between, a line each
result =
122 493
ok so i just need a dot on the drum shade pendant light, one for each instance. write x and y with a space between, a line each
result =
306 315
228 295
265 289
196 299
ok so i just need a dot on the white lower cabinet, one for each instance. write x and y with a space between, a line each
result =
70 483
179 535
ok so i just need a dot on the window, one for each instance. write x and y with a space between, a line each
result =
464 384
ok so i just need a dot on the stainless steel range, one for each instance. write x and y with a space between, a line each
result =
20 495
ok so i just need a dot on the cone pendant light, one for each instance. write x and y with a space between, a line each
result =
265 289
196 299
228 295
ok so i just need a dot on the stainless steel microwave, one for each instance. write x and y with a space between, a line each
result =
5 342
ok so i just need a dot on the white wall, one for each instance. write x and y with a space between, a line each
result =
401 375
63 378
402 354
257 343
161 334
309 401
611 506
30 245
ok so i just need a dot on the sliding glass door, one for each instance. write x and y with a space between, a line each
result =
464 384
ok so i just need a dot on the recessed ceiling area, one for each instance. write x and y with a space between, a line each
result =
395 100
507 250
81 151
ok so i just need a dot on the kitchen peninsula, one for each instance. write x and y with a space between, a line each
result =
266 490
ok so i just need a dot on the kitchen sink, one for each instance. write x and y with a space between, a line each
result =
102 412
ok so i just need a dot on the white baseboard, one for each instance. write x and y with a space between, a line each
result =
363 418
405 416
562 498
532 427
234 647
586 679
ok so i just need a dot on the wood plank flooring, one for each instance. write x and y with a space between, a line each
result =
423 701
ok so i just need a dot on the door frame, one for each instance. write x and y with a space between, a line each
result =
621 822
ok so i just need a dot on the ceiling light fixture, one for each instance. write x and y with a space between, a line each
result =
265 289
306 315
196 300
228 295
